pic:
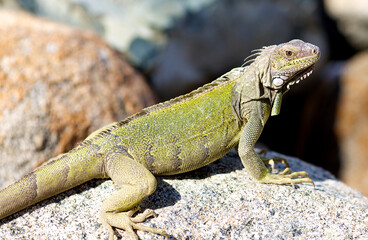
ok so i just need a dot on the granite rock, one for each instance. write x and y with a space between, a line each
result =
219 201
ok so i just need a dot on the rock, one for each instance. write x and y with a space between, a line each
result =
220 201
351 17
11 4
352 123
184 44
119 22
57 85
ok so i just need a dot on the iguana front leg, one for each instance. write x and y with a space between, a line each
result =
255 165
136 183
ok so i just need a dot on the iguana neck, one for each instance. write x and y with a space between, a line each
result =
262 68
250 88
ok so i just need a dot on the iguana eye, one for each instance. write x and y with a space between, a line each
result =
288 53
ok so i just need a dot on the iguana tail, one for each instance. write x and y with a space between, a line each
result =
55 176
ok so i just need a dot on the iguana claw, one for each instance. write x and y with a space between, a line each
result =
291 178
286 176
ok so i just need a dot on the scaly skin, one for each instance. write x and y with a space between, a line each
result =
173 137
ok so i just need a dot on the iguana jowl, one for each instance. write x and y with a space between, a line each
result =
176 136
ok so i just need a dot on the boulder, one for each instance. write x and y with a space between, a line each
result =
57 85
219 201
352 123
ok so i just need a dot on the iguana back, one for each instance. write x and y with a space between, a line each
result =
182 134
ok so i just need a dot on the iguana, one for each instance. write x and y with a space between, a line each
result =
173 137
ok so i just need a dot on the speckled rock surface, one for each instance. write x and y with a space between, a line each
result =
57 85
219 201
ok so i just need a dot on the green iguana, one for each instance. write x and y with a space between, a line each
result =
173 137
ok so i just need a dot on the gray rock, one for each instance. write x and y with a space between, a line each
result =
120 22
219 201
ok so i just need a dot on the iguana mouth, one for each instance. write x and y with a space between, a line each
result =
300 76
285 84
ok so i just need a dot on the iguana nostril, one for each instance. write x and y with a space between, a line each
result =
315 51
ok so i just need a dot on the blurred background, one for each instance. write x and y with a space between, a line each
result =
68 67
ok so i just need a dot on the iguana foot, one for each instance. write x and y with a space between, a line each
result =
125 221
286 176
290 178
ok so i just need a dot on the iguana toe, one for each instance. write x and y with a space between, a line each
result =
291 178
125 221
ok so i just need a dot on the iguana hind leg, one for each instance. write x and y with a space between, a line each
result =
136 183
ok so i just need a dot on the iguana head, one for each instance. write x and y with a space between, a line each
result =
292 62
285 65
